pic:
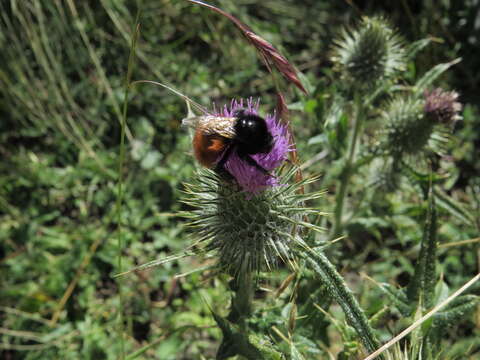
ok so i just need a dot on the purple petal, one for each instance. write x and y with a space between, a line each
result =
249 177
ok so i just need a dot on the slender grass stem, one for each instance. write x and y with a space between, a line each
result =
120 233
121 162
348 168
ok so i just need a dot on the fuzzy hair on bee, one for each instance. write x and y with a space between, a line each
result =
211 124
217 137
211 137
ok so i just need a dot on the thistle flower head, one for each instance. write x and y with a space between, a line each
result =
248 235
408 131
417 126
250 178
442 106
369 53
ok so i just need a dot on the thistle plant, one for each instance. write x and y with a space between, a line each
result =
254 219
253 222
414 122
412 126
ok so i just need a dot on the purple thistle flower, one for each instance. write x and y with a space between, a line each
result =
442 106
250 178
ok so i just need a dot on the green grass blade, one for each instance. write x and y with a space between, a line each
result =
431 75
119 201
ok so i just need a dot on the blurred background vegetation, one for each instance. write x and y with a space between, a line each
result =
62 72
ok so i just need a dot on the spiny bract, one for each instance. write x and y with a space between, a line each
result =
369 53
248 233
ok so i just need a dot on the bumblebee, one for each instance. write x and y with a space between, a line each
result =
217 137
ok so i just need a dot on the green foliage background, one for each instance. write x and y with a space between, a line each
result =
62 71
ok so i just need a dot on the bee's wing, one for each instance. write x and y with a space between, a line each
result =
210 124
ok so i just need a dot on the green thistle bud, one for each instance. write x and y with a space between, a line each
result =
248 232
370 53
408 130
420 126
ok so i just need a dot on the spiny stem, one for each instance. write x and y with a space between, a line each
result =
320 264
348 168
242 301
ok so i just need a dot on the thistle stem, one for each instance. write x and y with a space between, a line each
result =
348 168
354 314
242 301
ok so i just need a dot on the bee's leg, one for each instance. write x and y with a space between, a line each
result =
220 166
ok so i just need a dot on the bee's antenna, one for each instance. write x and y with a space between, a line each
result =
176 92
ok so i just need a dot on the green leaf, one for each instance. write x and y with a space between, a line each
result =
454 312
398 298
457 309
453 207
380 316
162 349
168 347
442 291
417 46
294 353
431 75
317 139
151 159
463 348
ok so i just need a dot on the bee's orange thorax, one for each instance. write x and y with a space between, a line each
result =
208 148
